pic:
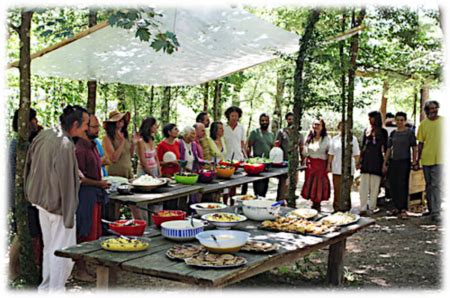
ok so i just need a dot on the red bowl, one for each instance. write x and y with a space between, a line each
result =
137 229
236 164
158 219
254 169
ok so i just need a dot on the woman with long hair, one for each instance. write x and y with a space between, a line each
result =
148 158
117 145
374 144
317 185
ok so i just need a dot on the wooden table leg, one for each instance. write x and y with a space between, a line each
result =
335 272
106 277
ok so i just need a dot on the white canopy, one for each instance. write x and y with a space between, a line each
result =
214 42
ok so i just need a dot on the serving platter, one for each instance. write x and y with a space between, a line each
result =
260 246
184 251
213 261
341 219
124 245
298 226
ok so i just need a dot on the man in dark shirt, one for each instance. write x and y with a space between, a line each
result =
92 194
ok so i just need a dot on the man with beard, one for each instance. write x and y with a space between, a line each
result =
284 139
431 157
92 193
261 141
203 117
51 183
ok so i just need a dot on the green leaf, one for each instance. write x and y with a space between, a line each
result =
158 44
143 34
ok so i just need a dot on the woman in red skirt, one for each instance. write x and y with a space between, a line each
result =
317 185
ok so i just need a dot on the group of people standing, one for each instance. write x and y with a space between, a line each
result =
65 165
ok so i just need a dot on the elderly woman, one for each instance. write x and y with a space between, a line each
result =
148 159
189 149
317 185
397 163
373 148
169 151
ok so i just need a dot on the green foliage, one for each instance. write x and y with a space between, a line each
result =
144 21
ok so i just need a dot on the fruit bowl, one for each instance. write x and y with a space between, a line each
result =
136 228
225 172
187 179
254 169
167 215
206 176
230 163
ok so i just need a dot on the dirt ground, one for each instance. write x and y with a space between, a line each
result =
392 254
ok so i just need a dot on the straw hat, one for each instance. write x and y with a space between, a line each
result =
115 116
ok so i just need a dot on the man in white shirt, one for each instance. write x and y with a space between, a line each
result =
234 134
335 166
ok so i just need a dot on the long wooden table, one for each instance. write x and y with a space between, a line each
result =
174 190
153 261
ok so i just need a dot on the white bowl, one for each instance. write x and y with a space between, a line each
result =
304 213
227 240
169 156
205 210
181 230
238 199
223 224
259 209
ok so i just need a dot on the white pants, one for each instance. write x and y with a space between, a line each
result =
369 187
55 270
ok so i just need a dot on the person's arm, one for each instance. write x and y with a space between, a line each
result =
387 155
330 162
113 155
96 183
134 140
415 162
141 156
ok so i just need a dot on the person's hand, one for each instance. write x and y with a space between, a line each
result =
103 184
120 136
105 160
358 166
328 168
136 137
415 166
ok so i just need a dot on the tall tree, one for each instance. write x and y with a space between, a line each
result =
205 97
28 270
165 106
92 84
306 46
348 132
281 82
217 107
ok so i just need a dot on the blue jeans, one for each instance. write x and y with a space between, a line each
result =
434 187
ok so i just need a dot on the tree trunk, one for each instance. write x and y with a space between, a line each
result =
347 158
424 96
165 107
415 107
277 116
384 100
92 85
28 271
252 97
205 97
305 46
152 98
217 101
121 106
344 70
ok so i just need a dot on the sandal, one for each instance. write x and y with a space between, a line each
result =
403 215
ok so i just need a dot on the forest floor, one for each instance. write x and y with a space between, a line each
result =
395 254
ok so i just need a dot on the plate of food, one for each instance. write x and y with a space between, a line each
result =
224 220
147 183
216 261
259 246
184 251
303 213
341 219
298 225
125 245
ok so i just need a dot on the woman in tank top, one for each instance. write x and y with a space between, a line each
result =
148 158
